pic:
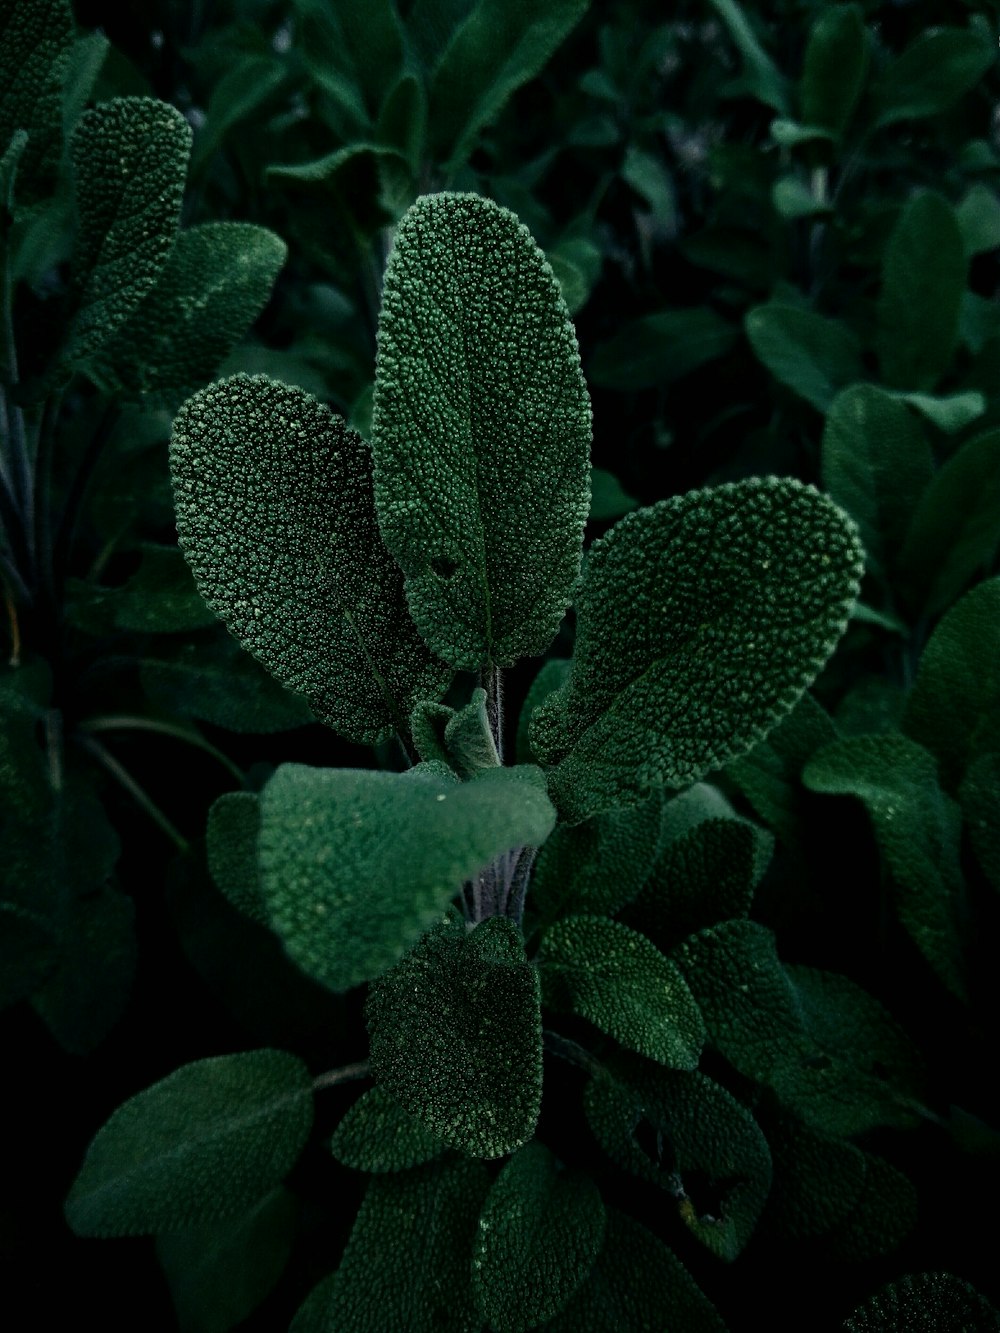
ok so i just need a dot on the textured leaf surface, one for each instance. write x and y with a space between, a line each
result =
456 1036
917 828
35 41
834 67
231 846
635 1280
925 1303
213 286
276 517
377 1135
808 353
617 979
700 622
550 676
934 71
205 1143
355 864
409 1256
979 796
540 1231
885 1214
130 158
818 1181
481 432
923 278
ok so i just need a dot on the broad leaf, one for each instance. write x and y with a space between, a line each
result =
456 1036
276 517
551 675
481 432
810 354
411 841
617 979
818 1181
206 1143
700 622
934 71
834 68
36 37
540 1231
231 837
377 1135
925 1303
657 349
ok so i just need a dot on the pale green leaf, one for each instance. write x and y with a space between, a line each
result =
481 432
205 1143
247 84
655 350
700 622
934 71
810 354
925 1303
834 68
377 1135
468 738
276 517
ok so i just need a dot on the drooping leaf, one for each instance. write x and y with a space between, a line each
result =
36 38
925 1303
700 622
231 847
410 842
409 1256
617 979
86 61
468 738
979 796
660 348
810 354
204 1144
219 1273
377 1135
481 432
876 463
540 1232
129 158
276 517
160 597
456 1036
955 529
950 412
923 278
496 47
935 70
834 68
213 286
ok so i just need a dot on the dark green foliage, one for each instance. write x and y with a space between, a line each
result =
834 68
925 1303
813 356
377 1135
35 41
231 847
979 795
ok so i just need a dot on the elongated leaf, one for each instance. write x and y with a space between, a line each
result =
835 67
979 218
130 159
657 349
357 40
205 1143
409 1256
934 71
213 286
540 1232
498 46
955 530
456 1036
925 1303
276 517
949 412
231 837
28 952
876 463
411 841
700 622
810 354
36 37
954 709
377 1135
761 77
923 279
617 979
917 829
481 431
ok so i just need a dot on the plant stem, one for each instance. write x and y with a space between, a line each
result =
15 628
491 679
141 798
571 1051
126 722
346 1074
514 906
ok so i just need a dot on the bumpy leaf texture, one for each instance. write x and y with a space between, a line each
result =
377 1135
480 432
700 622
203 1144
925 1303
35 41
276 517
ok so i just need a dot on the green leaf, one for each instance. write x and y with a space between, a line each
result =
540 1232
658 349
276 517
790 134
204 1144
481 432
409 1256
685 1133
884 1215
231 846
818 1181
700 622
917 830
876 462
813 356
925 1303
160 597
245 86
357 41
978 217
431 24
954 533
456 1036
634 1281
377 1135
468 738
835 67
402 121
213 286
576 261
934 71
608 498
129 158
28 952
949 412
619 981
86 61
979 796
954 708
761 77
411 841
792 198
496 47
924 272
36 37
550 676
218 1274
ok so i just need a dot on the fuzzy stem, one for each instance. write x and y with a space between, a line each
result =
346 1074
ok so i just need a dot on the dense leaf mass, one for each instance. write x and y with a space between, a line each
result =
377 1135
925 1303
481 432
35 38
275 514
